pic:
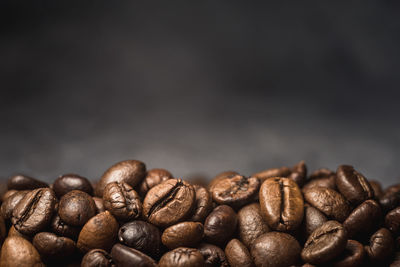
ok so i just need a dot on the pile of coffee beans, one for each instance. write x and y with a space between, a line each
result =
138 217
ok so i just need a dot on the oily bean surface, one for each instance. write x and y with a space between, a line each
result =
328 182
69 182
51 246
124 256
377 188
19 252
23 182
97 258
213 255
76 208
312 219
381 245
299 173
182 257
390 198
203 205
353 255
237 254
58 226
392 221
8 206
220 224
186 234
153 178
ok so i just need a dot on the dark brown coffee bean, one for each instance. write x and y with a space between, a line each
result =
275 249
59 227
328 201
321 173
169 202
353 255
235 190
182 257
396 260
392 221
98 202
122 201
203 204
131 172
51 246
237 254
274 172
7 194
124 256
328 182
142 236
390 198
69 182
76 208
220 224
353 185
97 258
368 214
213 256
325 243
34 211
99 232
251 224
377 188
153 178
23 182
299 173
8 206
187 234
3 230
19 252
219 177
381 245
281 203
13 232
312 219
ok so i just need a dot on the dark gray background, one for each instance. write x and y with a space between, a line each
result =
199 88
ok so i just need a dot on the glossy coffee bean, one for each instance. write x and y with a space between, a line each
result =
377 188
122 201
34 211
392 221
97 258
100 232
8 206
281 203
237 254
220 176
312 219
58 226
169 202
381 245
19 252
23 182
124 256
153 178
76 208
69 182
186 234
142 236
213 256
328 201
368 214
353 185
274 172
275 249
131 172
251 224
203 205
353 255
235 190
390 198
182 257
220 224
328 182
299 173
325 243
13 232
51 246
98 202
7 194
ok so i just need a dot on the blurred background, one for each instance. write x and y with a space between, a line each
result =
199 88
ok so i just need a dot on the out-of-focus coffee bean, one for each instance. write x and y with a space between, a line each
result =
274 172
312 219
19 252
237 254
220 224
377 188
124 256
51 246
187 234
213 255
381 245
69 182
153 178
97 258
58 226
8 206
353 255
182 257
203 205
392 221
98 202
299 173
24 182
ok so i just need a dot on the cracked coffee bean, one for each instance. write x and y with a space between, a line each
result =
59 227
76 208
203 205
213 255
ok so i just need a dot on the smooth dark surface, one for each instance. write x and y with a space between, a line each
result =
199 87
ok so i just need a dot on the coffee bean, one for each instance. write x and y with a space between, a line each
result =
251 224
203 205
169 202
69 182
353 255
7 194
122 201
275 249
392 221
19 252
396 260
98 202
281 203
99 232
220 176
368 214
312 219
8 206
274 172
131 172
328 182
124 256
299 173
51 246
142 236
34 211
59 227
97 258
220 224
235 190
390 198
353 185
76 208
182 257
321 173
23 182
377 188
213 256
381 245
187 234
328 201
153 178
325 243
237 254
3 230
13 232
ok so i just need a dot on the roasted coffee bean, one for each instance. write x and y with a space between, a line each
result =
124 256
58 226
76 208
281 203
275 249
328 201
392 221
213 256
312 219
182 257
7 194
131 172
396 260
381 245
274 172
69 182
328 182
368 214
325 243
153 178
169 202
142 236
97 258
220 224
13 232
377 188
3 230
23 182
299 173
353 185
98 202
8 206
234 190
99 232
390 198
251 224
34 211
220 176
321 173
51 246
203 204
237 254
19 252
187 234
353 255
